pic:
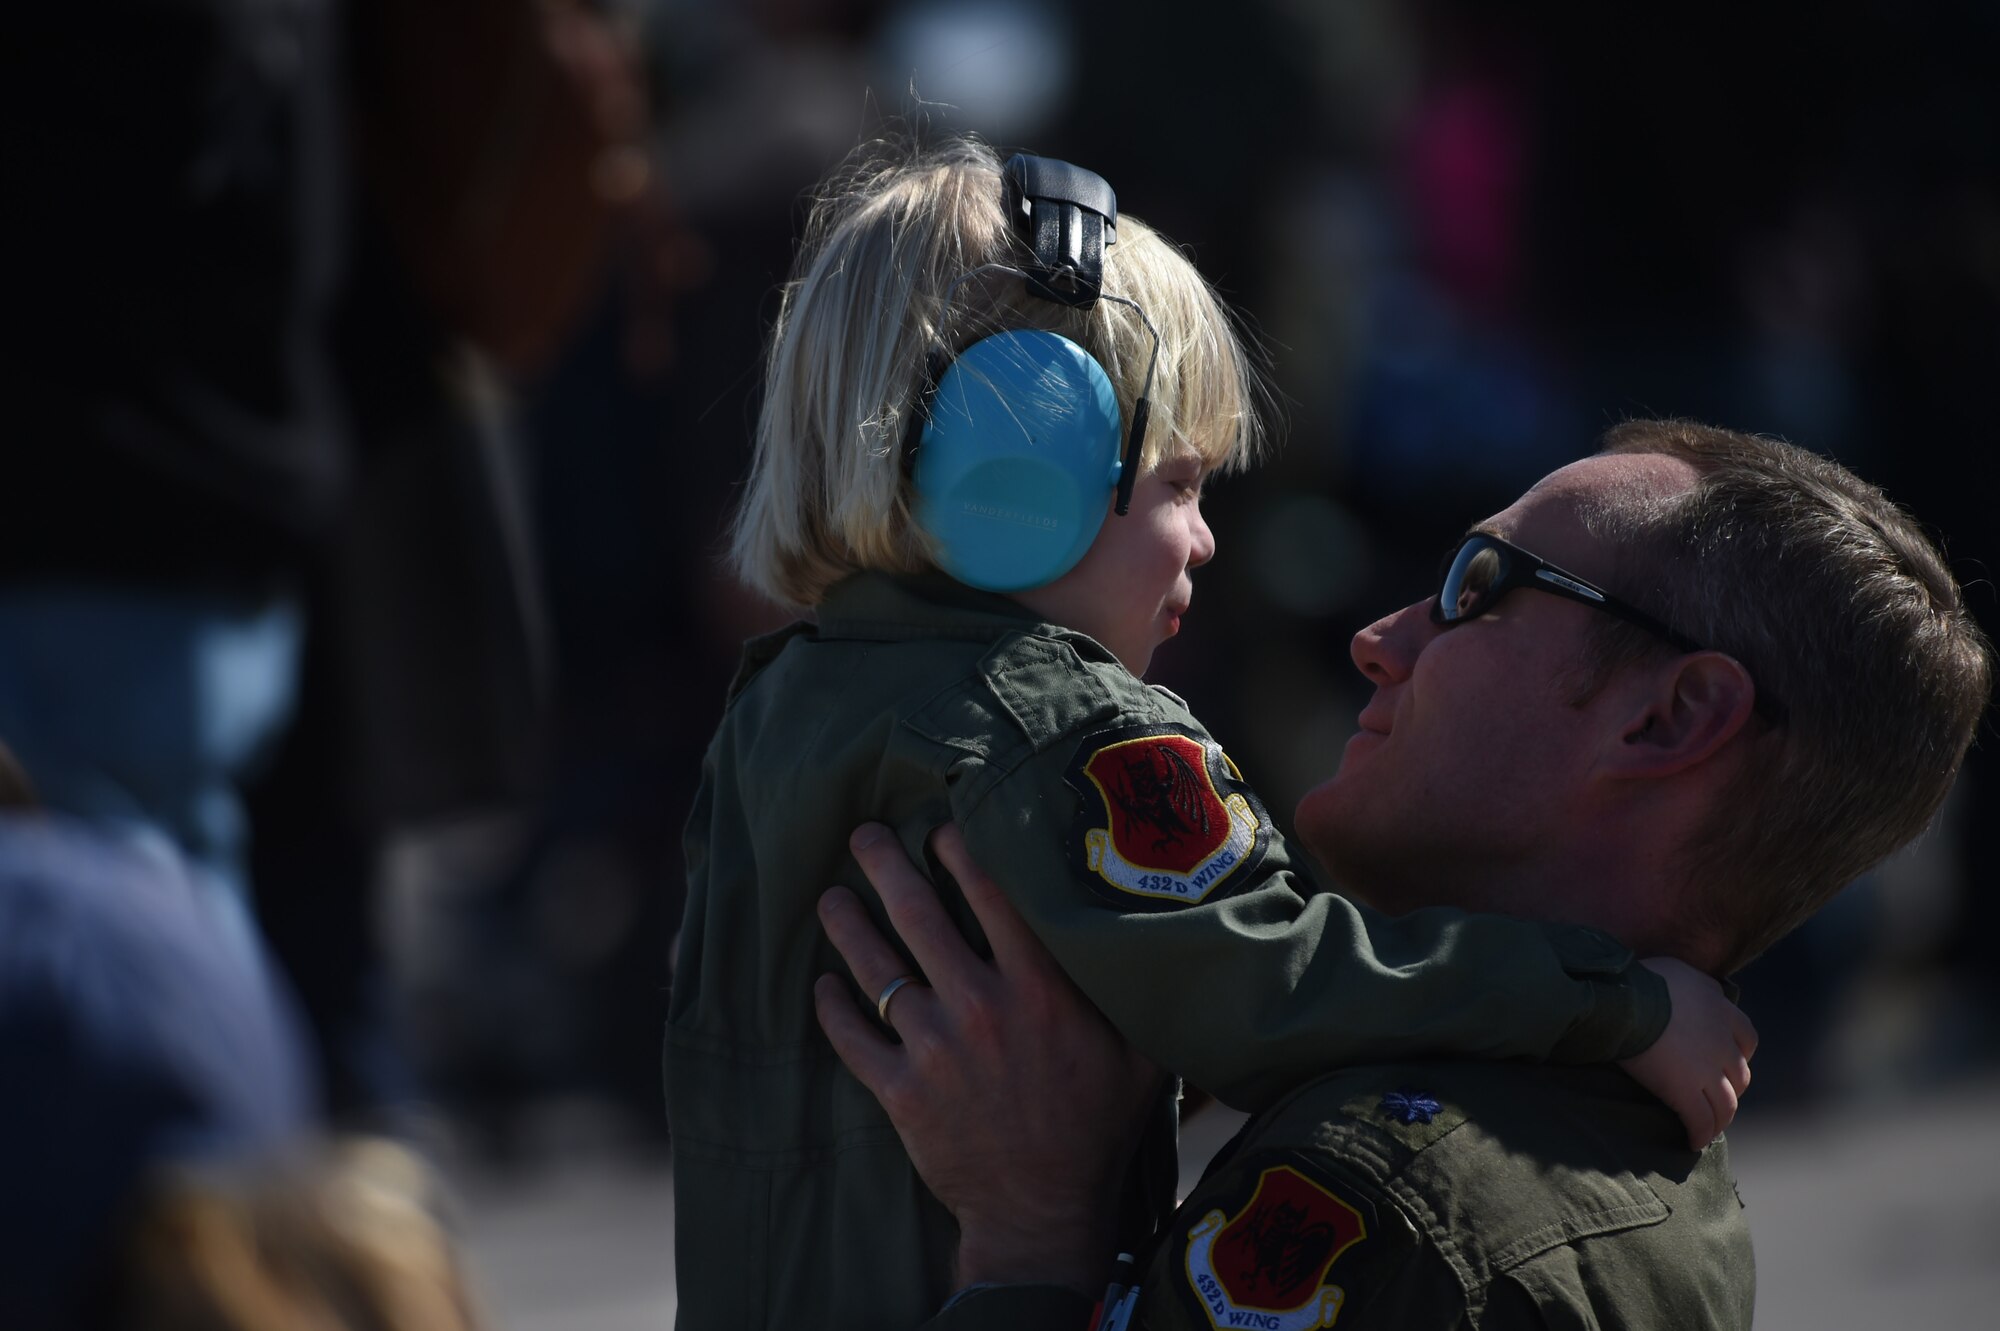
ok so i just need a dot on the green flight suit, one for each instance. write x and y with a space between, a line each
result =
1433 1197
1133 848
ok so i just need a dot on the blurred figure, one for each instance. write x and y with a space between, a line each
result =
179 184
264 560
16 791
131 1036
483 205
343 1240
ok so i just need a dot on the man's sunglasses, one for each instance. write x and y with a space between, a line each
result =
1484 568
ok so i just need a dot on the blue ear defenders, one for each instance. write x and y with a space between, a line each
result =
1014 443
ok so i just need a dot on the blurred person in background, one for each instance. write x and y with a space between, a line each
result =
158 1138
494 150
134 1036
1524 754
178 448
345 1237
265 589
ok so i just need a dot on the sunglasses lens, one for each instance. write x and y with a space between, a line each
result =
1469 582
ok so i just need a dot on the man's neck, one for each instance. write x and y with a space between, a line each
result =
1610 874
1621 875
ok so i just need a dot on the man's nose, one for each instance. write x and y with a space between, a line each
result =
1386 651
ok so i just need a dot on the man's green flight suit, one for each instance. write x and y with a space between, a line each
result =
1439 1197
1133 848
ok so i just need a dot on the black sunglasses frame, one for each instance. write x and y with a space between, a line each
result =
1521 569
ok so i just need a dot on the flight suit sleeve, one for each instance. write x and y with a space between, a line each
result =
1292 1238
1274 1238
1148 866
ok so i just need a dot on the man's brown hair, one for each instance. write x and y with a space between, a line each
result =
1845 613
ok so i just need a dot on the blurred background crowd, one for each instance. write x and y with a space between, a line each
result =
384 373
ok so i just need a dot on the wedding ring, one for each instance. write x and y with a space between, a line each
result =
889 992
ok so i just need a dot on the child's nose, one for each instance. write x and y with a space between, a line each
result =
1203 548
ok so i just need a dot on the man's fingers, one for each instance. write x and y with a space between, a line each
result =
872 1059
1006 931
913 906
858 941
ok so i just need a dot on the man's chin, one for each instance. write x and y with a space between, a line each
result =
1326 815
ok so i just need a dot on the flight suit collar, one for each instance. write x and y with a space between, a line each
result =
887 607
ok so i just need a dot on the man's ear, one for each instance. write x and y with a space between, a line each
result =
1693 708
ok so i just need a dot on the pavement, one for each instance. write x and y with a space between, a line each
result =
583 1244
1875 1213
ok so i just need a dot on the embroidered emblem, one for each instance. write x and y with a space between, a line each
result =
1164 821
1264 1266
1411 1106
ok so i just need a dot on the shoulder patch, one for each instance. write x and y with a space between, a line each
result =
1267 1265
1166 819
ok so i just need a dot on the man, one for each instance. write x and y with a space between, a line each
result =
1748 677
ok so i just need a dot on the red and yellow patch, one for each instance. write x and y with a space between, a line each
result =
1266 1266
1166 816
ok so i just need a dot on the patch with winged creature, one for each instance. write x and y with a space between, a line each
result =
1166 818
1267 1266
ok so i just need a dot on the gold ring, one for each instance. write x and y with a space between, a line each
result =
889 992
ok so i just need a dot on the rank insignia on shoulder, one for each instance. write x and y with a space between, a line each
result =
1266 1266
1411 1106
1166 818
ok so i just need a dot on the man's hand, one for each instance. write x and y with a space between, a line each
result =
1700 1064
1019 1104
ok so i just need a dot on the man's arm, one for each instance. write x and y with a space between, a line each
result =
1019 1105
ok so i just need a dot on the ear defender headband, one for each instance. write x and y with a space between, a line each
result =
1014 443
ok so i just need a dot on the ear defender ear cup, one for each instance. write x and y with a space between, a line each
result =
1016 466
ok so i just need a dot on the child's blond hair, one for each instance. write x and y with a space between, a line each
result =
890 233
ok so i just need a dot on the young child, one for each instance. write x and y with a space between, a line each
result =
1128 840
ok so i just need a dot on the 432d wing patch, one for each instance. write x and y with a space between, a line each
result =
1266 1266
1166 818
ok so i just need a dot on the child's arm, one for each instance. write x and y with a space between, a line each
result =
1151 872
1247 992
1700 1064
